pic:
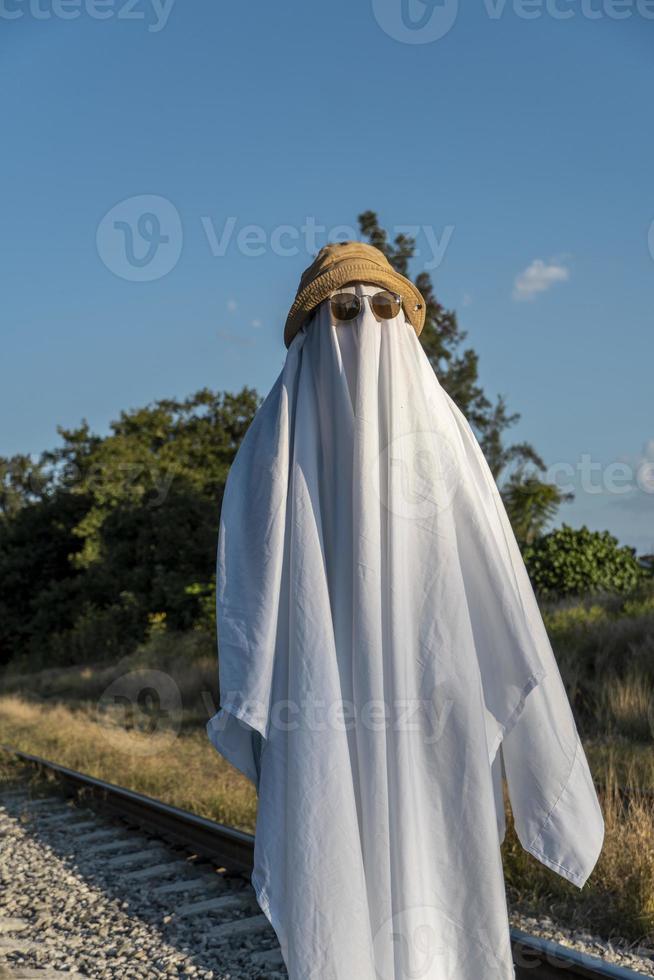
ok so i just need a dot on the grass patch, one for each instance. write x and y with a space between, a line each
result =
618 898
605 650
182 769
187 659
604 647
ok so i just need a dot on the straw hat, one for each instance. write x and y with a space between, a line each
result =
340 263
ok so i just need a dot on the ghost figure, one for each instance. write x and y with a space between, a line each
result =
382 655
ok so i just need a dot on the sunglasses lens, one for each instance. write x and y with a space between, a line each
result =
345 306
386 305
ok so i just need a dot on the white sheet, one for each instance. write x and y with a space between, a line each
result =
379 641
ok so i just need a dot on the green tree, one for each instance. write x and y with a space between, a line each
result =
530 504
41 593
22 481
118 529
577 561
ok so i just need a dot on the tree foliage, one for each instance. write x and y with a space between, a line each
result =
107 531
577 561
531 504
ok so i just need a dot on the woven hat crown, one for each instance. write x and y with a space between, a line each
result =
343 252
340 263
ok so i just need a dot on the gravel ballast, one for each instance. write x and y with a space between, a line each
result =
84 896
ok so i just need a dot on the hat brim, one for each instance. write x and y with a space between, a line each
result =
345 272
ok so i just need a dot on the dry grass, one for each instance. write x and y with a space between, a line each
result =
629 763
625 871
184 769
625 705
188 661
617 901
605 651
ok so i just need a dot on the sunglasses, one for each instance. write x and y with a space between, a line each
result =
347 306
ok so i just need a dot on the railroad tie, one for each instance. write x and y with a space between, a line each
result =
12 925
120 842
96 836
188 884
68 822
157 871
36 802
11 944
44 974
124 860
12 795
239 927
225 903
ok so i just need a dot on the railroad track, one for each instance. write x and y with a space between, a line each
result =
195 871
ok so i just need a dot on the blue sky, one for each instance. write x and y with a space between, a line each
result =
521 140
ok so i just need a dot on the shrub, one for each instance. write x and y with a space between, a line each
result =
604 646
577 561
98 635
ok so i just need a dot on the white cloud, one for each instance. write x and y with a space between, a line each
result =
256 323
538 277
231 305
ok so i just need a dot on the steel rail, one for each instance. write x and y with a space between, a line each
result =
228 847
534 957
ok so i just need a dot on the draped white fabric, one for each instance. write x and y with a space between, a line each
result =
379 642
